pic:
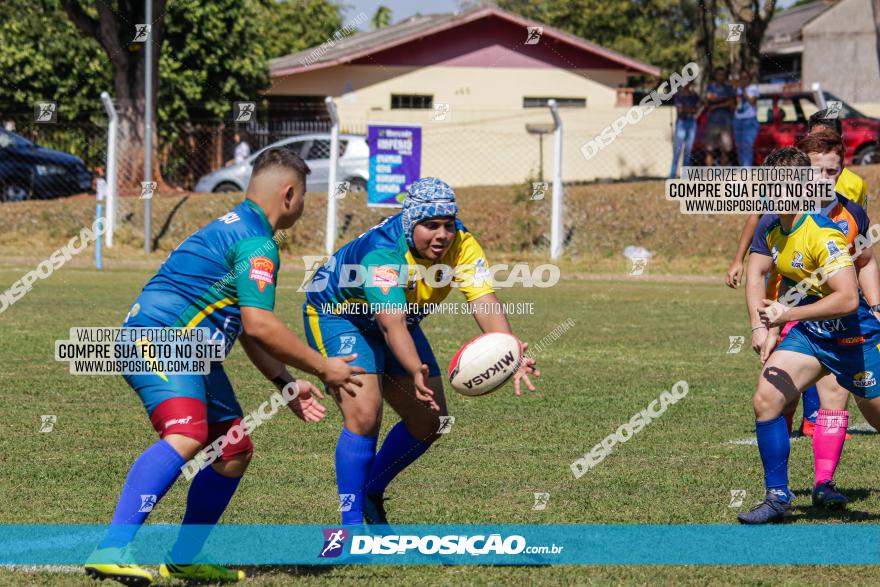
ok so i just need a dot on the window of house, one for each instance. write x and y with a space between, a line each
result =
411 102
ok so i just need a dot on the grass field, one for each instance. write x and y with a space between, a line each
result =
632 339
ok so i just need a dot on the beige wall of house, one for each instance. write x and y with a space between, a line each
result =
840 52
482 139
467 87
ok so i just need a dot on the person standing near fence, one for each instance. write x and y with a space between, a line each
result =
686 102
720 103
745 119
242 150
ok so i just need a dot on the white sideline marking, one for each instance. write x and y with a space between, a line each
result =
41 568
864 427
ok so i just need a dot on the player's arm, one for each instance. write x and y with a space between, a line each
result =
392 324
869 275
305 405
762 334
383 290
490 317
256 266
282 344
842 301
474 280
734 271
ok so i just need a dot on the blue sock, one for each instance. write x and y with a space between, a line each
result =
354 455
149 478
774 446
399 450
206 501
811 404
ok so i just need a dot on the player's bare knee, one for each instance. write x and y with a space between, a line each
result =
185 446
233 466
363 423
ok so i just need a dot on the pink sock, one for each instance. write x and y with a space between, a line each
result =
828 442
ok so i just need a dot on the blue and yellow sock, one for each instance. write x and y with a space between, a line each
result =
354 455
399 450
150 477
206 501
774 446
811 404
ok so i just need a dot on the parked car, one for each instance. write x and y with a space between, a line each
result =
783 116
28 171
353 164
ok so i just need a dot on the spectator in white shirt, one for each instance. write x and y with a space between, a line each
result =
242 150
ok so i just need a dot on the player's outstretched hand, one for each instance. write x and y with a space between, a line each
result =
307 405
340 376
734 274
423 392
527 367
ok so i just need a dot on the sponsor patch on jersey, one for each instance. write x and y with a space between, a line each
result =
833 250
797 261
844 226
774 252
262 271
385 278
864 379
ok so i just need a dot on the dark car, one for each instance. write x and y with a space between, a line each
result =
783 116
30 172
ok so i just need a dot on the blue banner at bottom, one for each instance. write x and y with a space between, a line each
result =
451 544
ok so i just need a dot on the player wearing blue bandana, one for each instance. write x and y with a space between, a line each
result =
369 298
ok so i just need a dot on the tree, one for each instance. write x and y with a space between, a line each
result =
381 18
659 32
707 17
289 26
755 15
211 55
114 28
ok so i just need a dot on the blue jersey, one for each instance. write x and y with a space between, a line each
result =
378 269
230 263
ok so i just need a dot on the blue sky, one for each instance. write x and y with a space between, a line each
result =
400 9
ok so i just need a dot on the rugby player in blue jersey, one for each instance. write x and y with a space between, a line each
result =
223 277
407 261
836 331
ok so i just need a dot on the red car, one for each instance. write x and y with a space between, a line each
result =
783 116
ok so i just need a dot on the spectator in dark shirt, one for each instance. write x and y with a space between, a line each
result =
686 102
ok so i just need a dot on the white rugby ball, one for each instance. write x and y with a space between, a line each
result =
485 363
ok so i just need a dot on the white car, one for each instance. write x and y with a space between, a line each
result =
353 164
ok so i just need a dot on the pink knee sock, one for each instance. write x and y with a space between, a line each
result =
828 442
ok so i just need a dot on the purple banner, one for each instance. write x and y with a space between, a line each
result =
395 162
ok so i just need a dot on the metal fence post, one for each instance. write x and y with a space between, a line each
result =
110 169
557 204
330 237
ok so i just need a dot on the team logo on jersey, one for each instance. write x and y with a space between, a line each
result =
385 278
864 379
262 271
797 261
833 250
844 226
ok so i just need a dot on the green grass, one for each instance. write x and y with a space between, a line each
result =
632 339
